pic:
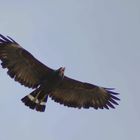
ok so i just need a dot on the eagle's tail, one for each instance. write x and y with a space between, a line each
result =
36 100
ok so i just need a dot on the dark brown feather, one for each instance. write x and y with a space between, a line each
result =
73 93
21 65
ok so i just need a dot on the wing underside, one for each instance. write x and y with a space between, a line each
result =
22 66
77 94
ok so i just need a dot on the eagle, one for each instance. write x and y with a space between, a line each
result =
46 82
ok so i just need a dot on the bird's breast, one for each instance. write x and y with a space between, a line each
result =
49 84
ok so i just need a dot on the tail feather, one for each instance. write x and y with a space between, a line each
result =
40 108
26 100
36 100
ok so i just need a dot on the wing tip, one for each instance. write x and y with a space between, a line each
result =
7 39
112 101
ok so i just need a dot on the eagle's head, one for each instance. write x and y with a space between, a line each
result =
61 72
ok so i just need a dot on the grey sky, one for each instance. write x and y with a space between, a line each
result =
97 42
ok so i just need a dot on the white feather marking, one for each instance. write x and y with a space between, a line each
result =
37 101
31 97
42 103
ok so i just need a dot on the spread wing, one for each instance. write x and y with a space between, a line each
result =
73 93
21 65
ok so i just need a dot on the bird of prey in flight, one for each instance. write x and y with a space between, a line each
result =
23 67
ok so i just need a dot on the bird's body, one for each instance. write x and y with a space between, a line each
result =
38 98
27 70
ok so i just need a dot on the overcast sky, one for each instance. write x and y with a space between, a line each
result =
98 41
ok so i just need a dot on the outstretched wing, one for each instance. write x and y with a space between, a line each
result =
21 65
74 93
